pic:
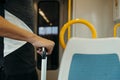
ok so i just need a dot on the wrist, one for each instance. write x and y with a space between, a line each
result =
32 38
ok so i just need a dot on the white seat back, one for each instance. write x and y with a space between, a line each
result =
86 46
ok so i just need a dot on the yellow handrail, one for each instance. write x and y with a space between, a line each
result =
115 29
69 18
63 29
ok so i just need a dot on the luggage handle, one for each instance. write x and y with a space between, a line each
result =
43 64
43 53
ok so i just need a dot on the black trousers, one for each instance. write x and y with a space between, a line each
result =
2 75
26 76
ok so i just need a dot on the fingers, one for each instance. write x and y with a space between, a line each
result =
48 50
48 44
39 50
51 48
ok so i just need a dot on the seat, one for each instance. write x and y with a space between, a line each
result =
91 59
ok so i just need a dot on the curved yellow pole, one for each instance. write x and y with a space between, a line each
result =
115 29
62 32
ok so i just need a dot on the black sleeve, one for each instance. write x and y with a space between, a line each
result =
2 2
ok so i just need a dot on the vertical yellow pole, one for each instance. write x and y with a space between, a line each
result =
69 18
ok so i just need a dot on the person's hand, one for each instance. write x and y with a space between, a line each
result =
39 42
12 31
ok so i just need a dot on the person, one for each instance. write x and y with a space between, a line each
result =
19 59
10 30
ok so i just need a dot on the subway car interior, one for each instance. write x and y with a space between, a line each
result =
86 35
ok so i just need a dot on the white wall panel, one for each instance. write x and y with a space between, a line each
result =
97 12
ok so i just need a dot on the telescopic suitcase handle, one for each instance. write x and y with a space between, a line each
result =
43 64
43 53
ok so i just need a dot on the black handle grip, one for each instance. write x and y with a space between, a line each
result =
43 53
